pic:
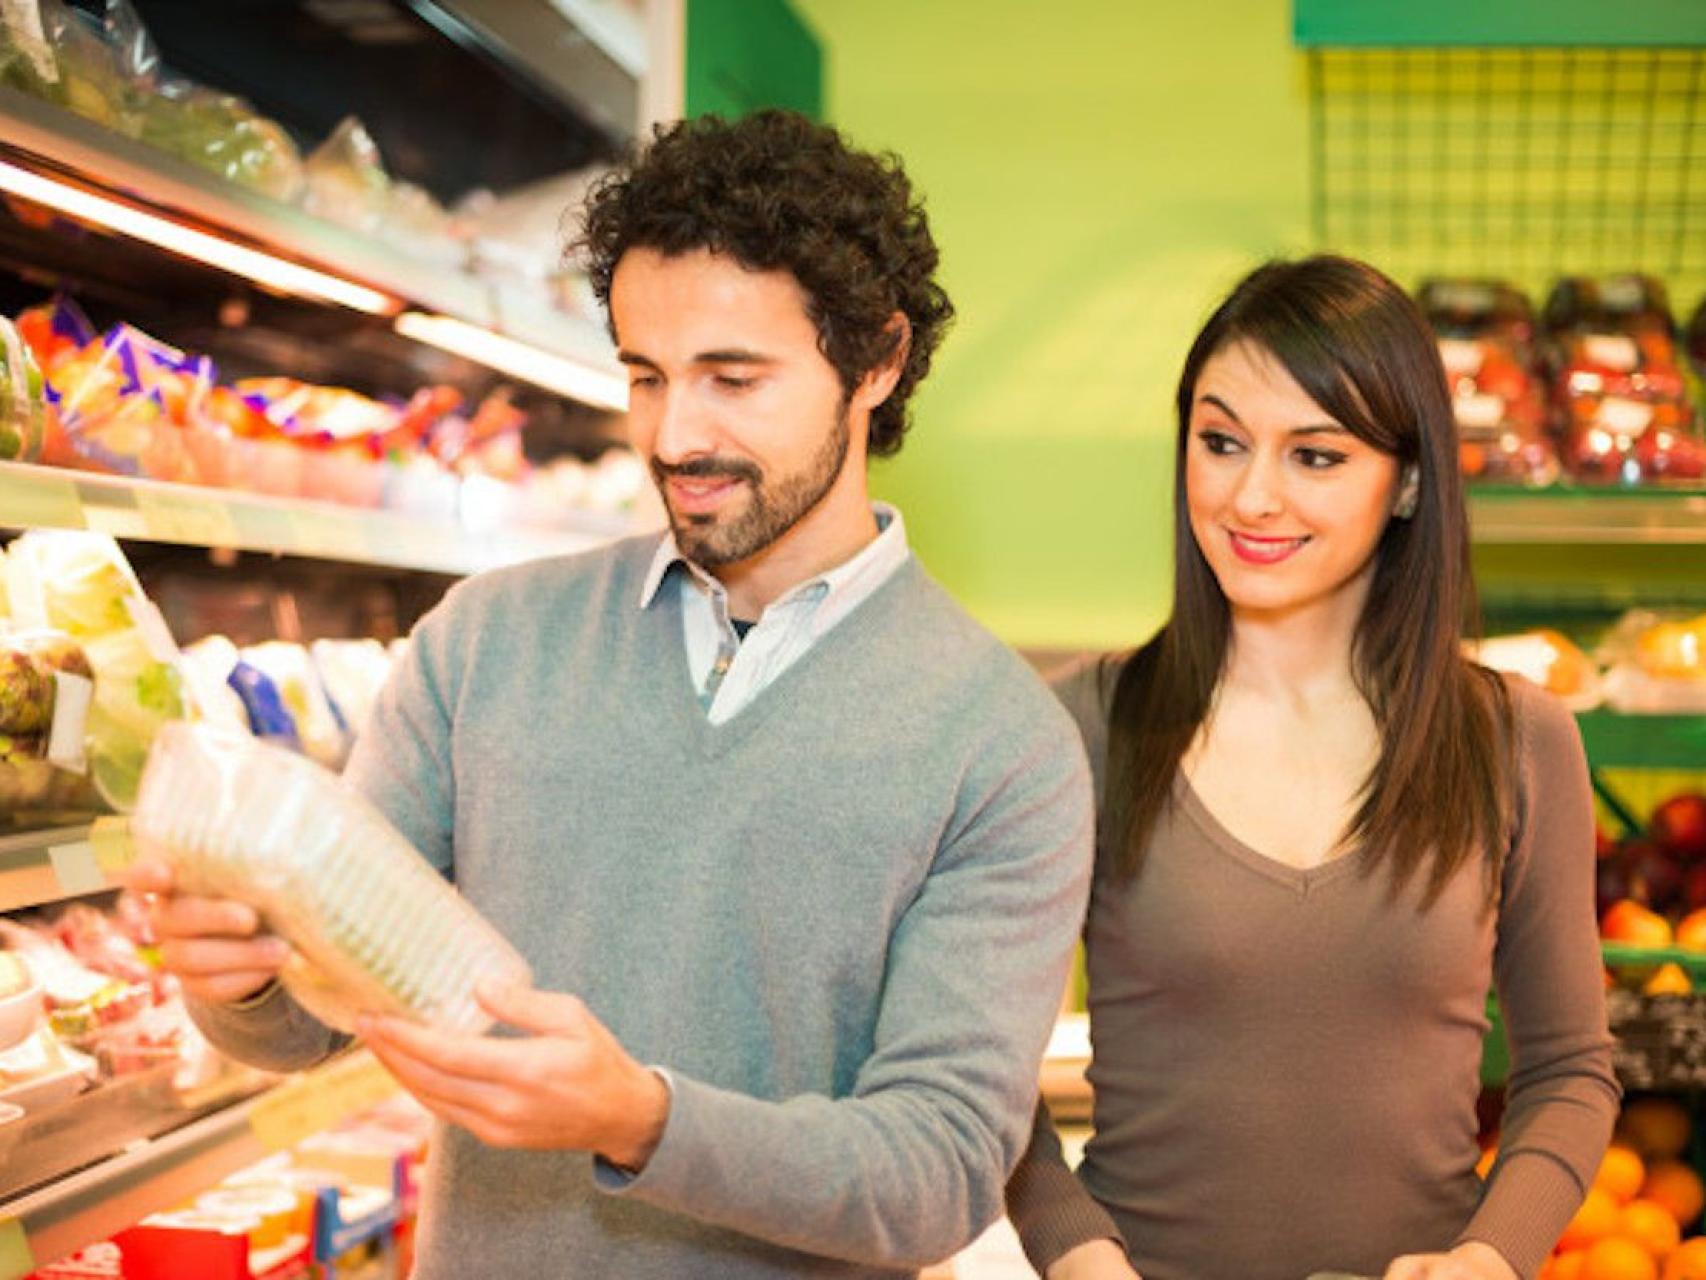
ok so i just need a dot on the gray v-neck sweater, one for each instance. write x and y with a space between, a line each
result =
841 921
1286 1062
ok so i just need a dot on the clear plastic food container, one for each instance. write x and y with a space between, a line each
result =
373 928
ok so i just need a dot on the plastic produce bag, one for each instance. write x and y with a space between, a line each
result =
292 673
224 135
81 584
373 927
347 182
23 398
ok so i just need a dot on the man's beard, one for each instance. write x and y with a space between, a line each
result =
771 509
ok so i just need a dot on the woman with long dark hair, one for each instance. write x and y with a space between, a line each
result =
1324 835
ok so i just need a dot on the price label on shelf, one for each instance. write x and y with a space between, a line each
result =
314 1103
76 868
35 498
194 520
110 839
16 1260
331 534
264 528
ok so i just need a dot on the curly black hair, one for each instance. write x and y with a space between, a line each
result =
777 191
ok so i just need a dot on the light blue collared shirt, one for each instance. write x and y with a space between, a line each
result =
729 672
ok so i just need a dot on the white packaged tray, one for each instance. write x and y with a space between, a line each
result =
373 928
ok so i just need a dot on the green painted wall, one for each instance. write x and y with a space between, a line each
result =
1098 174
746 54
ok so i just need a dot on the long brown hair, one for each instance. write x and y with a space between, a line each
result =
1440 790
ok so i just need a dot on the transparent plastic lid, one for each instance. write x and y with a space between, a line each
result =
373 927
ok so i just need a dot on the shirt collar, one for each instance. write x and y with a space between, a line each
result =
848 582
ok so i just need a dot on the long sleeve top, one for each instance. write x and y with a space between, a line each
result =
1286 1061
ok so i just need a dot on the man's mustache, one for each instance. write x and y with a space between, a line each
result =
708 468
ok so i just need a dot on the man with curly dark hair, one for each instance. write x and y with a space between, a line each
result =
808 847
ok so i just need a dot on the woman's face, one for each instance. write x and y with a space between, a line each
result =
1285 503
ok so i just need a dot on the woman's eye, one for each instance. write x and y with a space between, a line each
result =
1319 459
1218 442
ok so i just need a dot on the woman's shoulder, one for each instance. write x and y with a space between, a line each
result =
1085 683
1545 728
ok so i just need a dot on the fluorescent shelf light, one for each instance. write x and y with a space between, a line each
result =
577 379
227 255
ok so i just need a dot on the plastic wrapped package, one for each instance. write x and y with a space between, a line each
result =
1657 664
207 666
23 398
1500 407
353 672
1550 660
81 584
31 664
346 179
224 135
294 675
373 928
54 52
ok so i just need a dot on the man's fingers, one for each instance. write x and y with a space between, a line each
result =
228 986
526 1008
190 917
148 875
204 957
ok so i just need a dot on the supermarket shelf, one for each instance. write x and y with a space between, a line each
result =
1523 23
45 497
46 866
57 144
154 1175
1616 741
1621 953
1575 516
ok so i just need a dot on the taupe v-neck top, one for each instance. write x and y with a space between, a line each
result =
1286 1062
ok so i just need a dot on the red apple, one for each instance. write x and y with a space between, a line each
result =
1655 878
1678 826
1694 887
1632 923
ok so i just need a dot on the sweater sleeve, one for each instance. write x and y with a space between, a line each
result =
1050 1209
1562 1096
909 1167
402 764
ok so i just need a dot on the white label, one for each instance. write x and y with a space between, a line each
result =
156 636
75 867
1612 351
1461 357
1624 417
71 699
1622 293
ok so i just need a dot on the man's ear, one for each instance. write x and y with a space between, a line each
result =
879 383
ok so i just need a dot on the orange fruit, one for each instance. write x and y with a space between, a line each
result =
1484 1165
1649 1225
1677 1187
1564 1266
1688 1262
1621 1173
1595 1220
1657 1128
1667 980
1615 1258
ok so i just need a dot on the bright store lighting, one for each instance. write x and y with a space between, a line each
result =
572 378
251 264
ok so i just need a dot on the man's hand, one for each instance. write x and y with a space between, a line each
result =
1470 1260
214 946
1093 1260
567 1085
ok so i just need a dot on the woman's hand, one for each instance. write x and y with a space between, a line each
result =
1470 1260
1097 1260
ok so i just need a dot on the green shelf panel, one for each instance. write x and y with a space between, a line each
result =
1615 741
1618 954
1511 23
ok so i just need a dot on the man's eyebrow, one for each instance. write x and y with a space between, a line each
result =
634 357
733 355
